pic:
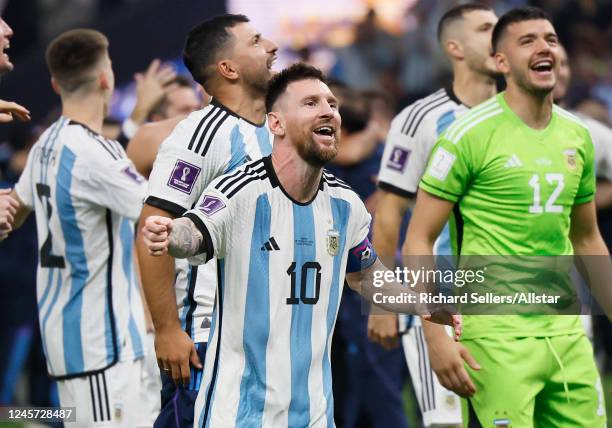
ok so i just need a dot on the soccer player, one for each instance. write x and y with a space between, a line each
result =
181 99
464 33
517 174
86 196
284 232
600 133
232 61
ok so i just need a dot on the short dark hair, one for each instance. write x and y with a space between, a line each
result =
456 13
73 54
203 43
520 14
279 82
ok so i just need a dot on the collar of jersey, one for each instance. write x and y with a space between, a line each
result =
216 103
276 183
538 134
74 122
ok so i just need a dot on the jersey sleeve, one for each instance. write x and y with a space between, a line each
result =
180 174
212 216
23 188
449 169
405 158
586 188
113 183
361 254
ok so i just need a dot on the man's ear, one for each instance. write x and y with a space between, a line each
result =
501 62
55 86
454 49
228 69
103 80
276 124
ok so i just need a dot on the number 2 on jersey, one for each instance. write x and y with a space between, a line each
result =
550 206
47 259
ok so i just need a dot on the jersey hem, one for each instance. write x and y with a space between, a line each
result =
207 245
578 330
83 374
162 204
396 190
439 192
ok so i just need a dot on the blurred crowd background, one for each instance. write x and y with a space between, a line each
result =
381 55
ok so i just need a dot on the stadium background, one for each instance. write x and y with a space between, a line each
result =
383 51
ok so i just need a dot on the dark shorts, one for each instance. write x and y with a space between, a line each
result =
177 403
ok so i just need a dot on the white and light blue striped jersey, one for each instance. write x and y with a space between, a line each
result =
86 195
281 267
208 143
411 138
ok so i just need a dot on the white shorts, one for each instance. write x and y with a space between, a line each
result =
116 397
439 406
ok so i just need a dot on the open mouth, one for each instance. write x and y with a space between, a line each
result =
543 66
325 131
271 62
4 49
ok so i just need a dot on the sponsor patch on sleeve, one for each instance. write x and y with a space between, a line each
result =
441 164
210 205
133 174
398 159
183 176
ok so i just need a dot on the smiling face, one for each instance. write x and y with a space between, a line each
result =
529 56
6 33
309 113
253 55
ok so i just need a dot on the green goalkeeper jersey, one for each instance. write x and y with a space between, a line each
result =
514 188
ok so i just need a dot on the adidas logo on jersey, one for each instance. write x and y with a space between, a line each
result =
271 245
513 162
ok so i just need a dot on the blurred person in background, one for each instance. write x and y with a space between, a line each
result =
181 98
85 194
151 88
600 330
233 62
464 33
368 379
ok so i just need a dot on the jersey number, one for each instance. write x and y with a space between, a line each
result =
550 206
294 300
47 259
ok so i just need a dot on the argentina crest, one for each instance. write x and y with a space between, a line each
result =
333 242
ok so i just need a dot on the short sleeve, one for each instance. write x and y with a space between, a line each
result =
361 253
24 184
180 174
449 170
586 188
212 215
112 183
404 158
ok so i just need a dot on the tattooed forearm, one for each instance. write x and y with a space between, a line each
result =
184 240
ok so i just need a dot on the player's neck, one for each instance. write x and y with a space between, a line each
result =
250 106
473 88
534 110
299 179
88 111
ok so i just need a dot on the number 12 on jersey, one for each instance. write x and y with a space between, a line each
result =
549 207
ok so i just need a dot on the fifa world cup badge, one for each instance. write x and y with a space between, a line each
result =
570 157
333 242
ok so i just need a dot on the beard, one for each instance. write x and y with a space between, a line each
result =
523 82
258 79
315 155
